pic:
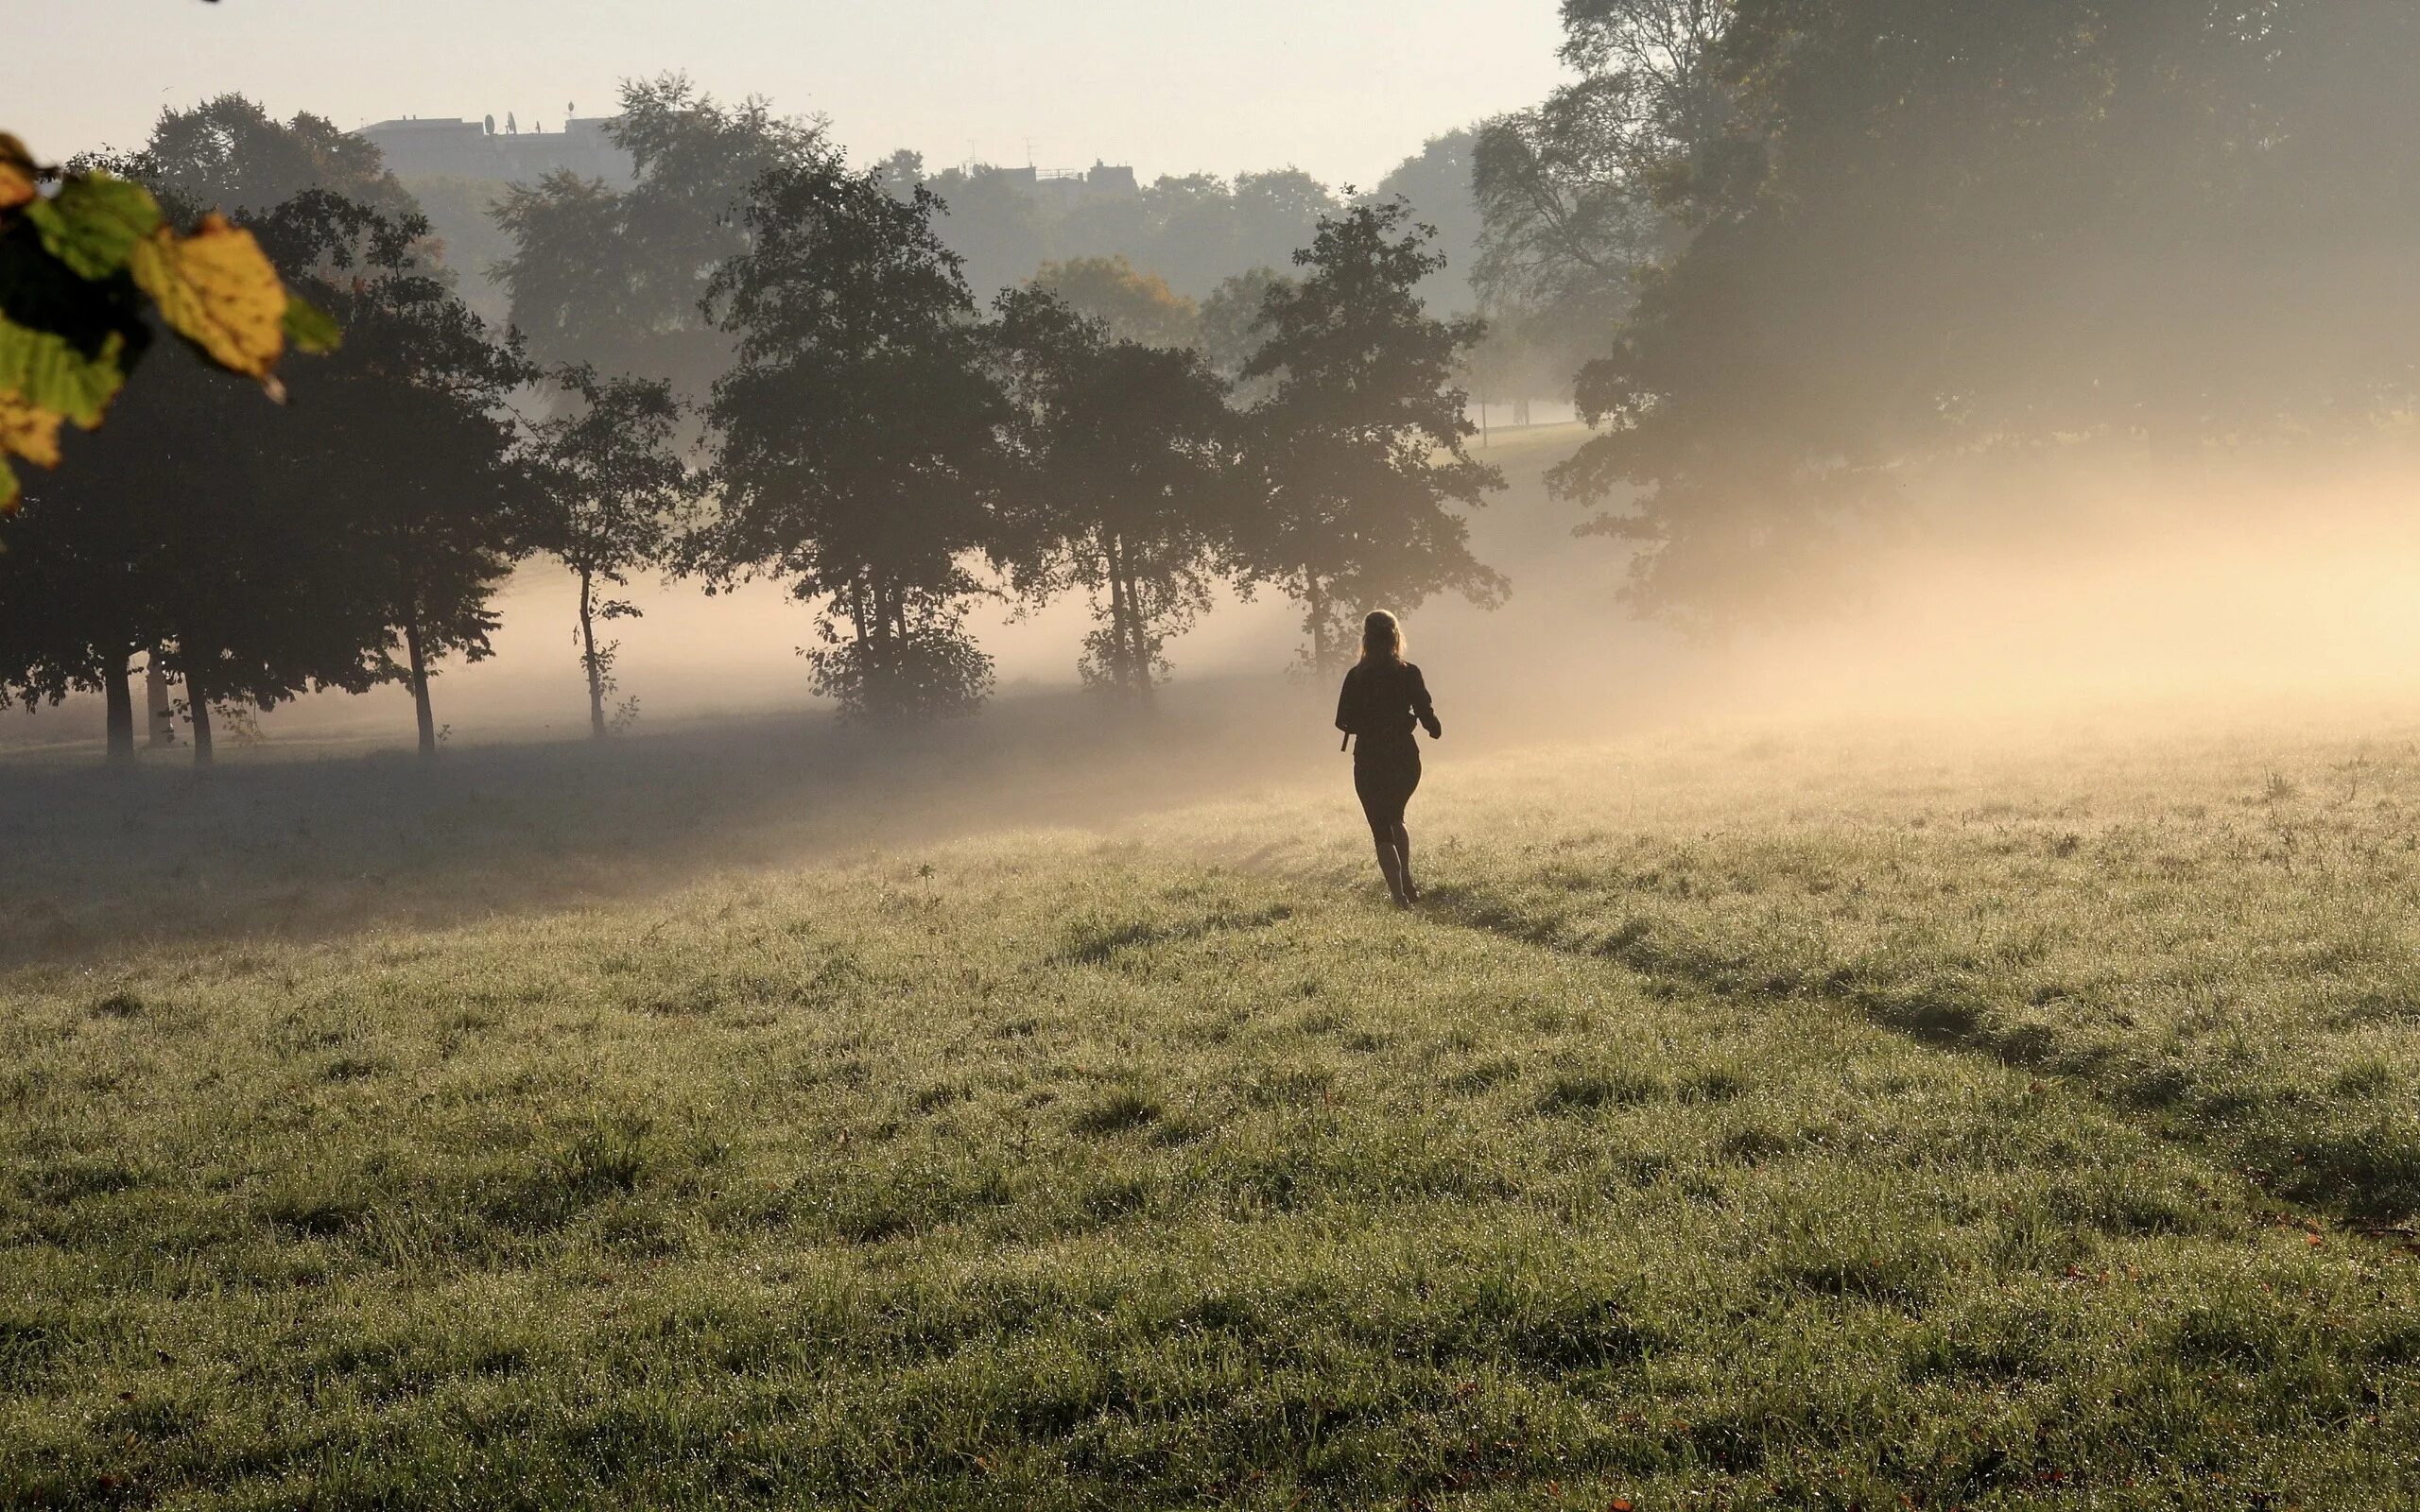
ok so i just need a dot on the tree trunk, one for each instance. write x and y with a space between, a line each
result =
1315 593
1121 653
155 698
588 659
198 710
420 686
120 692
1137 647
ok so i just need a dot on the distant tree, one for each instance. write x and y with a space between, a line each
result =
858 440
611 485
465 237
1361 445
230 155
411 437
1124 492
1134 306
1275 212
1436 183
614 279
1230 324
993 223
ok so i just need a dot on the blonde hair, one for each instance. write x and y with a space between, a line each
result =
1381 636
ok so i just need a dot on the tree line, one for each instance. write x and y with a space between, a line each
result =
788 378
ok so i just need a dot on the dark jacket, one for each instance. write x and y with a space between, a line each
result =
1381 702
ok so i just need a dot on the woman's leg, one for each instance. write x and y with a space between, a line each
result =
1390 866
1402 862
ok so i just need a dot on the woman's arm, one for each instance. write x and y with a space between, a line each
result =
1344 706
1422 709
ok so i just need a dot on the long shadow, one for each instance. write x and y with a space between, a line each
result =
95 864
2362 1185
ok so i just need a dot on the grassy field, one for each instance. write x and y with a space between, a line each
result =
1746 1120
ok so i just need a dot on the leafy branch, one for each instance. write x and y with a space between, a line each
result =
81 269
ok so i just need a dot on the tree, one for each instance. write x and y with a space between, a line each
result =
1134 306
1363 441
230 155
1575 195
104 559
1436 184
410 441
1230 327
611 488
1932 230
858 440
1127 451
615 279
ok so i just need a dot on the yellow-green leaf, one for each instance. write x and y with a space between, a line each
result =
9 492
17 173
218 290
94 222
45 370
308 328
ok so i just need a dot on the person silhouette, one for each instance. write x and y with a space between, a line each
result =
1383 698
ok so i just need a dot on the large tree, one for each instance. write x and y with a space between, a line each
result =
185 528
858 440
1933 230
609 489
411 439
1362 441
1575 196
1127 454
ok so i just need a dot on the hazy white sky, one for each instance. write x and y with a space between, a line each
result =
1342 88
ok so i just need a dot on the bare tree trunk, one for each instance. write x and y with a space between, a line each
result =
198 710
588 658
420 685
155 698
120 693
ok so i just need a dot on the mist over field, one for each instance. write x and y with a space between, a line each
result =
1639 754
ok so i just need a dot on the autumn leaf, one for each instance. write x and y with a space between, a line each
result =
218 289
29 431
17 173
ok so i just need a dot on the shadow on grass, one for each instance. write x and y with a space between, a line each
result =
281 846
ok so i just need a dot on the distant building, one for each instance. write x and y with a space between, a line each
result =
1101 181
419 146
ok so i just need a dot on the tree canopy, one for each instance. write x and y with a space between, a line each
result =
1361 443
1925 230
1127 483
857 438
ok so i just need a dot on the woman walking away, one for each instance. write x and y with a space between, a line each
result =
1383 698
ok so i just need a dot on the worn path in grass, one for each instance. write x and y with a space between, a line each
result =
1165 1169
